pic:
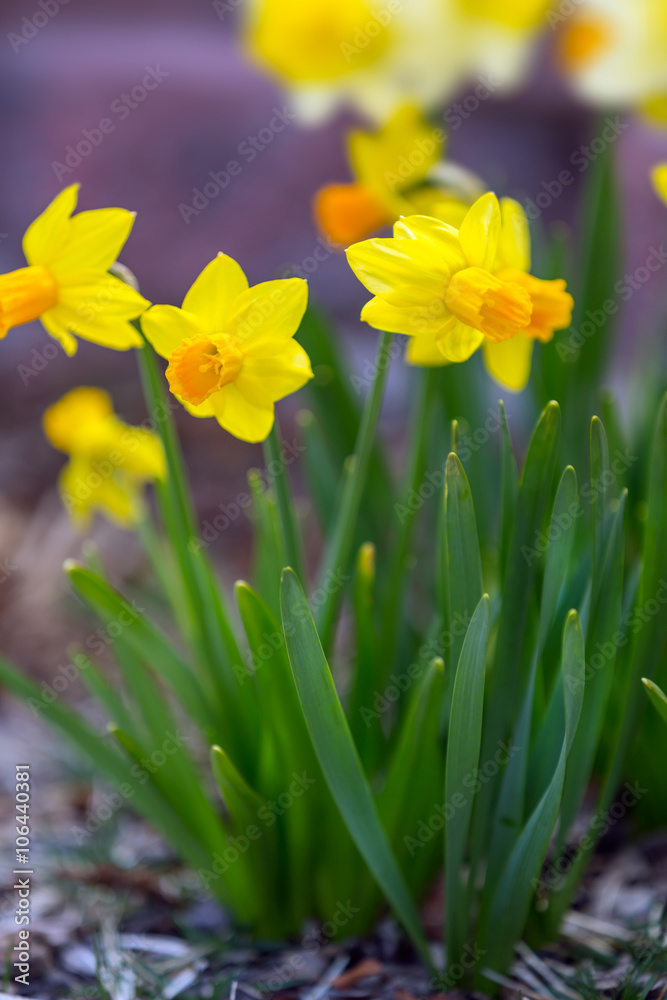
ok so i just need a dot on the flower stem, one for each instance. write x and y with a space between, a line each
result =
278 475
338 553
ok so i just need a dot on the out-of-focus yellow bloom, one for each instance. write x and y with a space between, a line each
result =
66 284
616 53
452 290
379 55
310 41
659 178
231 348
519 14
391 169
109 460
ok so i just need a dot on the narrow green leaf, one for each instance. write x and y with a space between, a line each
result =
460 561
146 641
510 676
320 472
366 732
599 496
338 757
463 746
601 652
561 537
657 696
504 917
509 488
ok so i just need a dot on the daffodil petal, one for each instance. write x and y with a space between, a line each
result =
48 232
267 314
166 327
144 454
57 329
240 416
659 178
81 407
410 319
425 351
94 240
118 334
459 341
83 490
514 242
213 295
385 265
204 409
508 362
275 377
100 297
440 234
480 232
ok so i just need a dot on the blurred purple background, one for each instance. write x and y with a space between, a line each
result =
72 74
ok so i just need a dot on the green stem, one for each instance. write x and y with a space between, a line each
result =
338 553
279 477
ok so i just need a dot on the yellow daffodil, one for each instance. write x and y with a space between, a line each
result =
659 178
377 55
616 53
391 169
452 290
109 460
231 348
66 284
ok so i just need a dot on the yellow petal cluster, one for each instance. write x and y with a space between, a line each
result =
109 460
231 348
391 169
452 290
378 55
66 284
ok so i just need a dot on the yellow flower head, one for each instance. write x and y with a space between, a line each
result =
616 53
659 178
231 348
452 290
391 168
66 284
302 40
109 459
